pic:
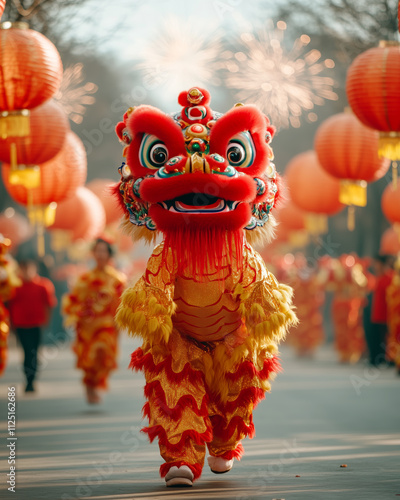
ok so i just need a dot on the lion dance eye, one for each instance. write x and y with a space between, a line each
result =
152 153
158 154
236 154
241 151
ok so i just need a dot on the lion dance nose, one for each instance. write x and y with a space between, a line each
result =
197 164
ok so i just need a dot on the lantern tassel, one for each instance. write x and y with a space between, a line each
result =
394 175
40 240
36 217
351 218
316 224
13 156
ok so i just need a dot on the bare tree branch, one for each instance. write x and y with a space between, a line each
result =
354 25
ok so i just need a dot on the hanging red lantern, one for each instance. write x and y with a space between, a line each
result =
373 91
59 177
31 72
48 128
391 204
313 190
103 189
82 215
390 242
348 150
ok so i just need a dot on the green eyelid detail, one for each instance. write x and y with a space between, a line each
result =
246 142
146 146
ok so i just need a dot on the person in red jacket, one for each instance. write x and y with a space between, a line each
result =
383 265
29 311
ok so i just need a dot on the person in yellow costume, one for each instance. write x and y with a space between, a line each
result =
209 312
90 308
9 281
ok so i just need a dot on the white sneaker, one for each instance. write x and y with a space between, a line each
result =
219 465
179 476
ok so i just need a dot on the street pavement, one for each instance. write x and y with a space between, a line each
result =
319 416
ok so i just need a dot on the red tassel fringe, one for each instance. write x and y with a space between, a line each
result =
146 410
158 431
237 453
139 361
154 389
217 246
195 468
225 433
250 395
247 368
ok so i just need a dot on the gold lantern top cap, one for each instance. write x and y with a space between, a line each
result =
18 25
389 43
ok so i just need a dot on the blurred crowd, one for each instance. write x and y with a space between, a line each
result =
354 302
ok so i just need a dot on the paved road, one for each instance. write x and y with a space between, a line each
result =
319 416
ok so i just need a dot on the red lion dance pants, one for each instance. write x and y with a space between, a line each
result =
193 402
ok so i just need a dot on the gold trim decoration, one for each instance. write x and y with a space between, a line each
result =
388 43
28 177
389 145
20 25
14 123
353 193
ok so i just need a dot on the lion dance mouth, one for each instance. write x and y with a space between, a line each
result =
198 172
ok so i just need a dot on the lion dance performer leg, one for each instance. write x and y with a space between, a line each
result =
209 312
8 282
90 309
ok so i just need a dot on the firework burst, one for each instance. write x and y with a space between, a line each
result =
180 56
73 96
284 84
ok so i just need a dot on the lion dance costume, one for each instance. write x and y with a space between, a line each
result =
349 279
309 291
393 310
8 282
208 311
90 308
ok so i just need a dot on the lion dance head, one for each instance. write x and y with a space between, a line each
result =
203 179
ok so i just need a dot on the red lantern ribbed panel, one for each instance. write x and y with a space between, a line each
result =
102 189
2 5
83 215
31 69
311 188
390 242
391 203
373 88
48 128
60 177
347 149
